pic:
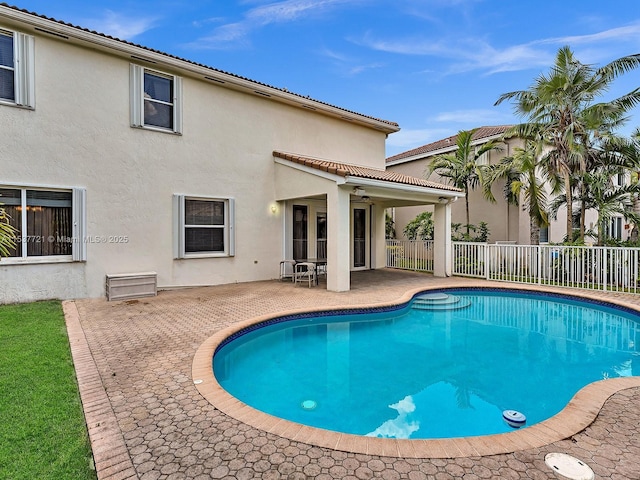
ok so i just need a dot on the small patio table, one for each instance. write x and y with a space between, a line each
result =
318 262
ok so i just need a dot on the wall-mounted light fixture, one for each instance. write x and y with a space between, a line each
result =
443 200
274 208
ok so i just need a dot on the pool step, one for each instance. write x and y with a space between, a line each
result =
439 301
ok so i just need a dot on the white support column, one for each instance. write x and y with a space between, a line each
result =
442 249
338 241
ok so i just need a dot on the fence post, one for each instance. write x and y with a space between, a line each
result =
539 264
605 269
486 261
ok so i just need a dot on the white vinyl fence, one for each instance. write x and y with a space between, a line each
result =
598 268
410 254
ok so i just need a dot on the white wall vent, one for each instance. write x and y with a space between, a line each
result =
127 286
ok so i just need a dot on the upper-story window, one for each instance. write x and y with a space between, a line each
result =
7 71
156 100
17 66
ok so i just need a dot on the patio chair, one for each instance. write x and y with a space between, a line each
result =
321 270
305 272
288 270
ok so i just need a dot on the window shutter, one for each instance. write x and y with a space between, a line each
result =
79 213
136 86
178 226
177 104
232 227
24 51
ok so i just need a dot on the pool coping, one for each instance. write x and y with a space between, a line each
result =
578 414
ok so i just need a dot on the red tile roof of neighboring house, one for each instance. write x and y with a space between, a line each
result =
345 170
305 97
425 150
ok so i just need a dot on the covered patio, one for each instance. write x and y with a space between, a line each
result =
351 201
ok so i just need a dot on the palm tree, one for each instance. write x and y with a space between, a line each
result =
7 234
461 168
635 179
524 181
560 112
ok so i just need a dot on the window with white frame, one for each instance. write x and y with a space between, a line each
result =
482 159
48 222
156 100
17 67
615 228
544 234
203 227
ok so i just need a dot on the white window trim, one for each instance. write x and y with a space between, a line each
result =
23 71
179 227
78 229
137 99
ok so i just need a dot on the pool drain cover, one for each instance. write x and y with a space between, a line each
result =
568 466
309 404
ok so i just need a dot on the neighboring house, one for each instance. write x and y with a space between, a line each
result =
504 220
119 159
507 223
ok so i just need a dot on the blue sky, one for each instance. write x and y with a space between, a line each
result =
433 66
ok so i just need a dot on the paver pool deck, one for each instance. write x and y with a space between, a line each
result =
148 420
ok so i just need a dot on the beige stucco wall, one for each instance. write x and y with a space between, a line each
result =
80 136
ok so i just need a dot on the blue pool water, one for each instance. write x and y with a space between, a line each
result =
431 372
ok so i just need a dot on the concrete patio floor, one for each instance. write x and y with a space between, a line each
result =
147 419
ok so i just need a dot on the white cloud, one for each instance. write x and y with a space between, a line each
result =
477 117
356 69
332 54
622 34
470 54
121 26
205 21
288 10
237 33
231 32
347 65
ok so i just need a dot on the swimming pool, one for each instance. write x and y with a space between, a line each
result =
454 371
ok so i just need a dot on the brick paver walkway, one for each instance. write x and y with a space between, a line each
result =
147 420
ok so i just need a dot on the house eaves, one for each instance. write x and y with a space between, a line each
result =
39 24
446 145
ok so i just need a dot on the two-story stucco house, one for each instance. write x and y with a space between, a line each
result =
119 159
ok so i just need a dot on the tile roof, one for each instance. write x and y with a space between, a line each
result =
284 90
481 132
346 170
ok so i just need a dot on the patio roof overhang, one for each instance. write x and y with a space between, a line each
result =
308 177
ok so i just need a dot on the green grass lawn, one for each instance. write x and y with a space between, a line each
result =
42 430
